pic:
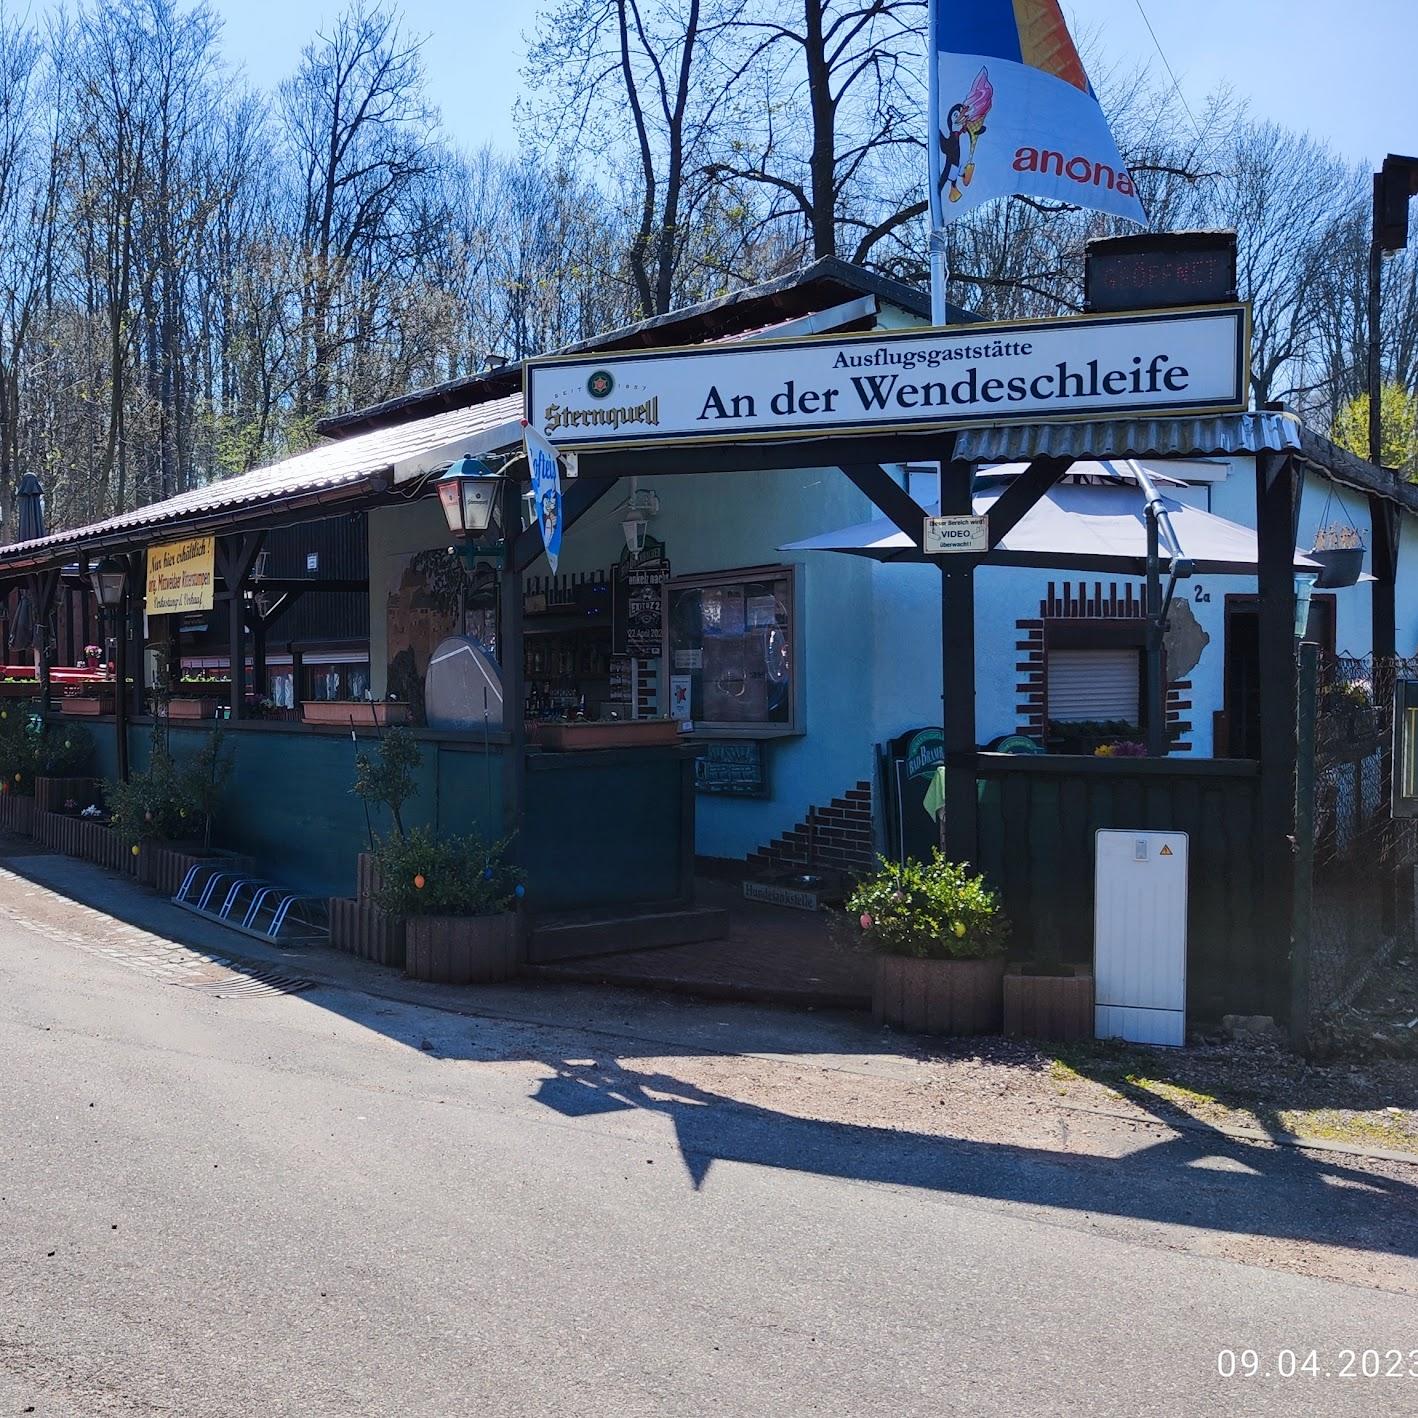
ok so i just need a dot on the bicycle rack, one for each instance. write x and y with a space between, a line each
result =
259 908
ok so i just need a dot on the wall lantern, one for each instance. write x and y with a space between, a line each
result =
109 578
471 494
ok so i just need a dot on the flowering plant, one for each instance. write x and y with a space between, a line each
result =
935 910
94 650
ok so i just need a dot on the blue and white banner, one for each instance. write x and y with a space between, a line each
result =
546 490
1014 112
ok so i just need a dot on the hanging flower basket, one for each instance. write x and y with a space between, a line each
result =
1339 566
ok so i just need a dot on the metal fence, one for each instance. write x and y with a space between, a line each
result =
1361 857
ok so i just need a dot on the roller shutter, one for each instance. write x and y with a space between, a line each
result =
1094 684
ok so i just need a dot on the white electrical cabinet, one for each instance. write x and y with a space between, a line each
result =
1140 936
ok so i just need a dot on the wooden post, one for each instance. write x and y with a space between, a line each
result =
136 589
960 832
1304 892
235 557
1384 524
120 694
1277 507
509 648
41 643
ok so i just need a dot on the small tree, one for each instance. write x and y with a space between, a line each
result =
1398 427
204 780
388 776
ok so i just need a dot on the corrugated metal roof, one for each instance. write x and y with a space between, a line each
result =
345 467
1219 435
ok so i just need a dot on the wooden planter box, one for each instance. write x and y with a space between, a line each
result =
164 865
16 813
463 950
20 689
572 735
366 876
50 794
1054 1007
361 928
84 838
939 996
194 706
361 712
86 705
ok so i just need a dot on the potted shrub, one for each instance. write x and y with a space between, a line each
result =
384 778
939 937
458 900
1339 550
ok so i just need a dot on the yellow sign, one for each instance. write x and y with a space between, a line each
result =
181 576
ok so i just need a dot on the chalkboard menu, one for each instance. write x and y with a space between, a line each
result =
637 613
733 766
1155 269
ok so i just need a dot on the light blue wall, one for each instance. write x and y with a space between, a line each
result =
869 652
722 521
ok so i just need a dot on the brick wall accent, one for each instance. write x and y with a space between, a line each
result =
1083 600
837 836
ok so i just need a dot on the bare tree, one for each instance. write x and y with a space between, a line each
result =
845 104
360 126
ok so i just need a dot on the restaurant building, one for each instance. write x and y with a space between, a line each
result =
788 658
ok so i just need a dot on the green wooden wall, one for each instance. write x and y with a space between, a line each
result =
1038 817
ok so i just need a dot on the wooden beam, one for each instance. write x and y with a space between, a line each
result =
235 558
1277 498
1024 494
578 497
509 649
888 497
960 831
729 457
1384 521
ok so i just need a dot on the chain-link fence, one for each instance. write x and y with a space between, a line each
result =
1363 856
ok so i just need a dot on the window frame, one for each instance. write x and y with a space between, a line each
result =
738 576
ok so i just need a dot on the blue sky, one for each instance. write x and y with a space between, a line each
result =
1342 69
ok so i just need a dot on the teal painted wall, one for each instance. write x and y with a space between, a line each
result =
289 805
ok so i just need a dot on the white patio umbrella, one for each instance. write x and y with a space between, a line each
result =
1092 520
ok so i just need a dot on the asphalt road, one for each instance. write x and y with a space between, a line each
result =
215 1202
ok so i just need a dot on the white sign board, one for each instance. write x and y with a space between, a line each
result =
1086 366
944 535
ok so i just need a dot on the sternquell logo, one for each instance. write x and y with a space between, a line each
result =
600 385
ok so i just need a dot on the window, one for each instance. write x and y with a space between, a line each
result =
733 637
341 681
1097 685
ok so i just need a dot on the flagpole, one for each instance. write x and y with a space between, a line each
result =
940 274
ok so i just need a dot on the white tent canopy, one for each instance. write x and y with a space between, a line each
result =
1092 520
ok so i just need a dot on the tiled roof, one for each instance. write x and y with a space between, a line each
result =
335 471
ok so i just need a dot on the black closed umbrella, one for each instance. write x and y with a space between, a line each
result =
29 509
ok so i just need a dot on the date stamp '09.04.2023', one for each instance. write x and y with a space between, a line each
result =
1318 1364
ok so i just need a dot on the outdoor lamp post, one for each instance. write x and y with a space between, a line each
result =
471 495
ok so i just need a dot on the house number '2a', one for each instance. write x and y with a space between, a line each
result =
1201 596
